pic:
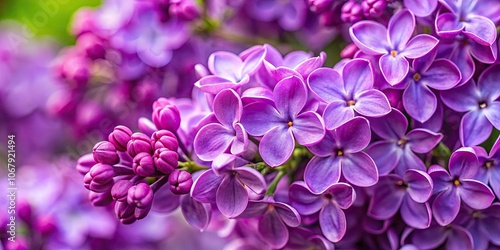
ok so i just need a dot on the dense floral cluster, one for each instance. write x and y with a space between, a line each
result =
385 136
380 151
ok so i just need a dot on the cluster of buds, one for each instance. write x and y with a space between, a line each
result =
350 11
129 168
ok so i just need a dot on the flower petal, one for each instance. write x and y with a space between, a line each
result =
419 185
480 29
372 103
445 207
290 96
460 238
240 140
422 140
476 194
336 114
358 76
205 187
354 135
416 215
260 117
359 169
227 107
392 126
232 197
212 140
288 214
277 146
214 84
419 46
385 155
302 199
394 68
429 238
369 37
401 28
272 230
448 26
488 83
421 8
343 194
442 75
305 67
225 64
408 160
326 84
252 179
321 172
475 128
386 199
332 222
463 163
463 98
419 102
308 128
196 214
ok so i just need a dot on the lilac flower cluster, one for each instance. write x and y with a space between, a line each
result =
226 119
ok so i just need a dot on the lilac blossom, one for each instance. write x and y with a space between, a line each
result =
489 170
348 93
483 225
226 184
274 217
340 152
392 43
426 73
421 8
282 124
396 149
470 18
408 194
457 185
229 71
479 101
214 139
329 204
453 236
290 14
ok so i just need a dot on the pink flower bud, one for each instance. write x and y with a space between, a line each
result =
138 143
143 164
140 195
164 139
166 115
104 152
180 182
165 160
120 137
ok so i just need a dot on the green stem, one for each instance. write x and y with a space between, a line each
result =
191 166
441 151
272 187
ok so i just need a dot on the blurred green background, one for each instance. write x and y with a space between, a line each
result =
45 17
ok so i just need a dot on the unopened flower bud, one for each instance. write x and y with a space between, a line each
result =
143 164
180 182
141 213
92 46
166 115
119 191
320 6
125 212
138 143
351 12
104 152
100 199
99 178
85 163
164 139
140 195
184 9
76 70
165 160
45 224
374 8
120 137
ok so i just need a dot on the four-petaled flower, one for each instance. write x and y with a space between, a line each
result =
393 43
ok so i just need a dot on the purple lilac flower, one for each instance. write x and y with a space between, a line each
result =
348 93
340 152
214 139
426 73
226 185
453 236
421 8
392 43
470 18
489 170
457 185
408 194
282 124
329 204
301 238
479 101
290 14
229 71
274 217
483 225
396 149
